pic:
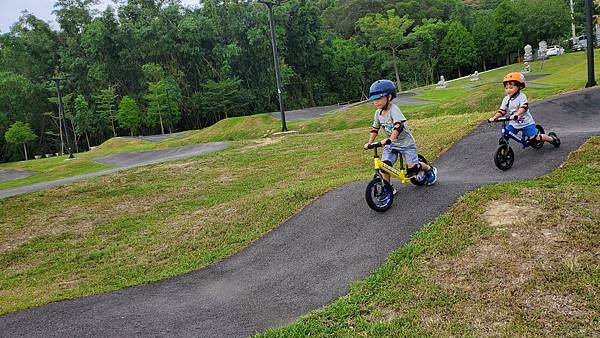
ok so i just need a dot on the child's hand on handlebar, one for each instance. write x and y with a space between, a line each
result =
366 146
386 141
491 119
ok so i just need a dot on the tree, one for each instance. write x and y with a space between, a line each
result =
129 115
484 32
15 91
105 106
3 121
458 47
387 32
172 100
163 103
30 48
20 133
342 17
509 28
348 62
548 20
428 39
304 53
86 121
223 97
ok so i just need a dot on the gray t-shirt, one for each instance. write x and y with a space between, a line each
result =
405 138
511 105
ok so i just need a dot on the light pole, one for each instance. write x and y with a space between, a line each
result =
61 114
270 5
590 43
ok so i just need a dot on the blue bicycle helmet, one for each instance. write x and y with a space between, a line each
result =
382 88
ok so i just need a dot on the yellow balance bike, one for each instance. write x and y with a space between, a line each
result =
379 192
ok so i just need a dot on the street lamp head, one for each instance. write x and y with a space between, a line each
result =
272 2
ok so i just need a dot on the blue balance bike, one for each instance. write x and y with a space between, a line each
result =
505 156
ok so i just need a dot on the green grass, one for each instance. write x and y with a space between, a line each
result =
152 222
568 73
476 271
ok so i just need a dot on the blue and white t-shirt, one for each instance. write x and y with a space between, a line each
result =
387 121
511 104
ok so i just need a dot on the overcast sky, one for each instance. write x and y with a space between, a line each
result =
10 10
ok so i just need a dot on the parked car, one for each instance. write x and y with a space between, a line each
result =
579 43
555 50
579 47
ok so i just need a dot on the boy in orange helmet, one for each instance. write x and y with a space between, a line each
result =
516 106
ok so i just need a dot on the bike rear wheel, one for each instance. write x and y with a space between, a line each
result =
505 157
379 195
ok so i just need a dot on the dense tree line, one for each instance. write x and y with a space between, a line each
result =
156 66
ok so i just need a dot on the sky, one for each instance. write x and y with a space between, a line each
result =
10 11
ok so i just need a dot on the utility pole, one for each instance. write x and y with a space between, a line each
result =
61 115
590 43
270 5
573 35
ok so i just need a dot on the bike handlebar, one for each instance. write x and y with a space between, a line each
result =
378 144
503 119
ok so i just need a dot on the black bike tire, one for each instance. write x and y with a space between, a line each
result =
370 201
504 162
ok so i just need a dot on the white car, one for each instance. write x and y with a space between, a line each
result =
555 50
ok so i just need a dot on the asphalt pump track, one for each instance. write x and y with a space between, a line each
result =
123 161
314 257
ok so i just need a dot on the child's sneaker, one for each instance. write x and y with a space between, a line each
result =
394 191
555 140
431 176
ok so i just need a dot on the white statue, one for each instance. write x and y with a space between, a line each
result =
528 53
542 50
475 76
442 83
526 68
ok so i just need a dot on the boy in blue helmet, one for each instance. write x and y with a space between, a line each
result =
389 116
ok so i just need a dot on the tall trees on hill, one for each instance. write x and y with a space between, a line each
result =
86 121
428 38
458 48
157 66
129 115
545 20
106 106
509 29
387 32
486 36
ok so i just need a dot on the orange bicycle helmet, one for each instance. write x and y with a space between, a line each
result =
515 76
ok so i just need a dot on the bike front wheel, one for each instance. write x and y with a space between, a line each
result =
505 157
379 195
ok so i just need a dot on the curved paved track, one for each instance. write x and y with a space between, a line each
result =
403 99
9 174
124 161
311 259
